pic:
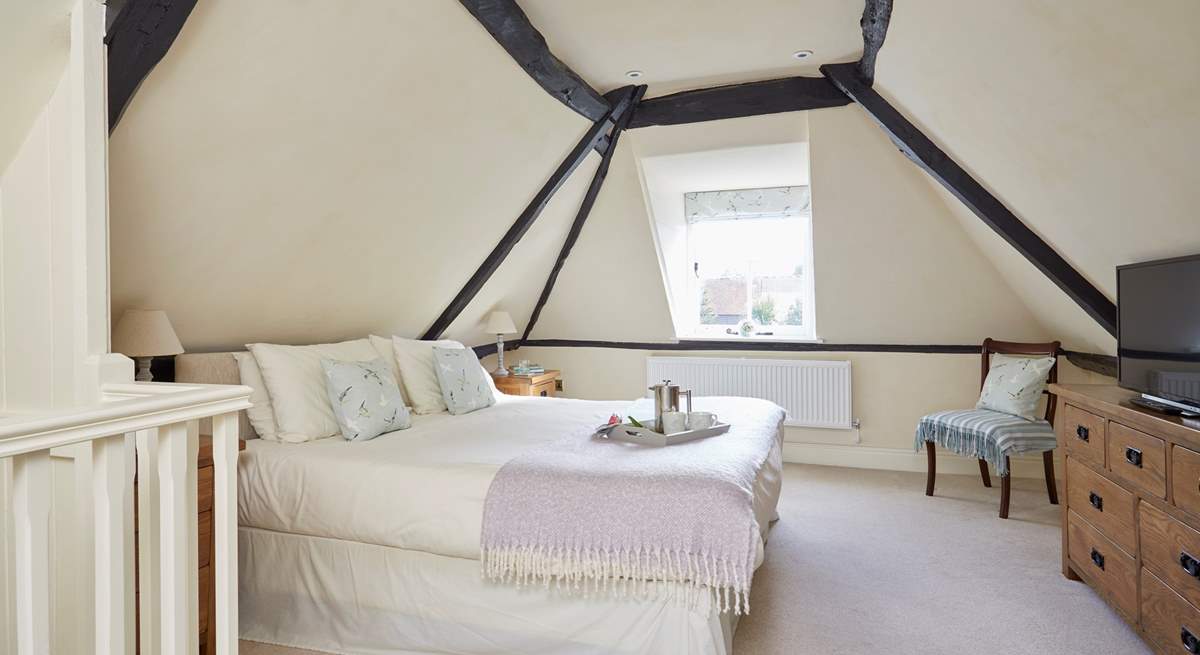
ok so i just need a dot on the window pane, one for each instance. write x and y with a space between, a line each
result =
723 300
750 269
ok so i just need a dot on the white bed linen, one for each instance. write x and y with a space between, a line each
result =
419 489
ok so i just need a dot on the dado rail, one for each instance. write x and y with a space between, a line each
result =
147 429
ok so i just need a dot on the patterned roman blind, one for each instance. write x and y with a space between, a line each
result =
743 204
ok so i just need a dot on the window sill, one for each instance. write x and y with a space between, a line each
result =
736 337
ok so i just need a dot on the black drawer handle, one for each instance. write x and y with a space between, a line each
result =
1081 432
1096 501
1133 456
1190 564
1097 559
1190 643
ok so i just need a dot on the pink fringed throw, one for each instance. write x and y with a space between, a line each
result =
592 515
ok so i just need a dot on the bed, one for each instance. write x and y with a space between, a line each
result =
374 547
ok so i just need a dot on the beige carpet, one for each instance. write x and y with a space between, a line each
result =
862 562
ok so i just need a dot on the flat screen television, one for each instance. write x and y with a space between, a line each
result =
1158 330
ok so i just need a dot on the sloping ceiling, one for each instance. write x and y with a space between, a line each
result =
275 179
685 44
34 40
1083 116
278 179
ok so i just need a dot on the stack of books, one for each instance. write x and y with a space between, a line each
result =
532 369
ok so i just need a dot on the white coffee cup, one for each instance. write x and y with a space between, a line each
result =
701 420
673 422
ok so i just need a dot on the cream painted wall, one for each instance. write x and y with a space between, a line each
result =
892 265
1080 115
278 180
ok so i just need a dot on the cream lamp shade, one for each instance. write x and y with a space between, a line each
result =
143 334
499 323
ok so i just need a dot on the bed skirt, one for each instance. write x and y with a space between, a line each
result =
347 597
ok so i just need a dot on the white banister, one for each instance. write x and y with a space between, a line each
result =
31 509
150 429
225 551
149 607
177 448
113 486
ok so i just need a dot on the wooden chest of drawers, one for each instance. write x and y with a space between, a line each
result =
1131 523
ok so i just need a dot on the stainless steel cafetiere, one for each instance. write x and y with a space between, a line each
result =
666 399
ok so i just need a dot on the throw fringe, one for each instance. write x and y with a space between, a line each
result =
961 442
644 573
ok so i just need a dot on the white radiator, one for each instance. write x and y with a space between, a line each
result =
814 393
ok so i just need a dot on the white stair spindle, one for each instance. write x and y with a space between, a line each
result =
113 486
177 449
225 454
31 510
149 592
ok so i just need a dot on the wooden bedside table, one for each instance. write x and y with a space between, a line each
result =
546 384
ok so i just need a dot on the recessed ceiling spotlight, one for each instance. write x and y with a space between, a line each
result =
802 54
633 75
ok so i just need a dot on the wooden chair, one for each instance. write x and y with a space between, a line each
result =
1038 436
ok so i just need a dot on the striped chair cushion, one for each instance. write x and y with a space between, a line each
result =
984 434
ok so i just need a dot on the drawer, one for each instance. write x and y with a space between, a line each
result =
204 489
1185 479
1103 503
1172 551
1167 619
1138 457
544 389
1083 433
204 528
1112 571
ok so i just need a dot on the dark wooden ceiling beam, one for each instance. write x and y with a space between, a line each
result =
739 100
1096 363
921 150
585 208
138 38
876 16
509 25
518 229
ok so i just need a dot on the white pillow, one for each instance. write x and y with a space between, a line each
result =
417 375
383 346
261 414
1014 385
296 383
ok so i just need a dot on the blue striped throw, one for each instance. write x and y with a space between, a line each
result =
984 434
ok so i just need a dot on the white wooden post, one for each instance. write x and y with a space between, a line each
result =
8 598
225 551
149 592
113 485
177 449
31 509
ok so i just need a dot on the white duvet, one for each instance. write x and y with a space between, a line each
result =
419 489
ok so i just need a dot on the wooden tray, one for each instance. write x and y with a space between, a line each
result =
646 436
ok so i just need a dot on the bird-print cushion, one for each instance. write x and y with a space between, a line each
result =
365 398
464 383
1014 385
